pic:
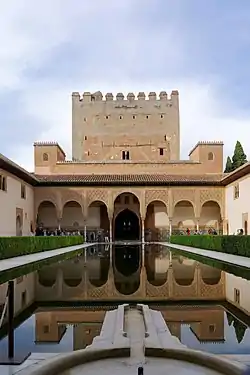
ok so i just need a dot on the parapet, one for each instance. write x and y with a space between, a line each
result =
49 144
98 96
206 143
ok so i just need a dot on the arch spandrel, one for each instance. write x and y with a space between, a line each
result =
71 196
179 195
100 195
157 195
213 195
136 193
46 195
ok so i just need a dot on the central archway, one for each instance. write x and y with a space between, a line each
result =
127 226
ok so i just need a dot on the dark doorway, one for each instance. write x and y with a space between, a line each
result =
127 226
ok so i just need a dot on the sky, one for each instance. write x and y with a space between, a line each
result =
51 48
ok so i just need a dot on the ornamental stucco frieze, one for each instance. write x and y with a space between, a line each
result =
156 195
97 195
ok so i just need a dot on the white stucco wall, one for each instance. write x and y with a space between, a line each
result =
236 208
24 292
234 282
10 200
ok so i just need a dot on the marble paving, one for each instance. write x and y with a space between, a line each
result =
216 255
7 264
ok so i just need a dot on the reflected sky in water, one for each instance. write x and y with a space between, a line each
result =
215 330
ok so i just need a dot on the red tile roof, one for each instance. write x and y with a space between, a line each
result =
130 179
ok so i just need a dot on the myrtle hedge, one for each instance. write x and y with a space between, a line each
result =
237 245
14 246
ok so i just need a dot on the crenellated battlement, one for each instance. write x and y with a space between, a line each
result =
130 97
135 125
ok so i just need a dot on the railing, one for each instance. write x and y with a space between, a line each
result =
157 235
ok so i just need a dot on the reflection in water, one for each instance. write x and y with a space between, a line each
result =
98 263
127 259
127 268
157 262
101 272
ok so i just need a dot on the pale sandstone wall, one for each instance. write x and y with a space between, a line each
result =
102 129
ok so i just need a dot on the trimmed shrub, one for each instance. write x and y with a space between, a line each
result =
237 245
14 246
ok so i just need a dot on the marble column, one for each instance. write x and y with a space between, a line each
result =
197 225
170 227
142 230
85 232
110 230
143 255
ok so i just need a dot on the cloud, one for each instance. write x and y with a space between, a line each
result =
50 49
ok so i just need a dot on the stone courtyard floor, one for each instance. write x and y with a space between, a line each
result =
235 260
7 264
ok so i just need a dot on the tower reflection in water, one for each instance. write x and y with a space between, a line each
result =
73 296
127 267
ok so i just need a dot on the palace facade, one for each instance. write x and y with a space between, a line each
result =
125 178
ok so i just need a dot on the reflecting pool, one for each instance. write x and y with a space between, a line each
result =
60 306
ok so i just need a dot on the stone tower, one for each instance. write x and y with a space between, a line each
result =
138 129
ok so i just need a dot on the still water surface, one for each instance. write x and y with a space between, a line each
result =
65 302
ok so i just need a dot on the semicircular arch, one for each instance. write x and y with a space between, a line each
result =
177 202
215 201
102 201
124 192
157 201
46 200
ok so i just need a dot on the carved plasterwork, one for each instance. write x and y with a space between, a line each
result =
47 195
156 195
128 190
97 195
157 292
215 195
70 195
101 292
183 195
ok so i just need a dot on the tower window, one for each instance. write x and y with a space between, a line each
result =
161 151
120 117
45 157
23 191
3 183
125 155
107 117
210 156
162 116
147 117
85 138
134 117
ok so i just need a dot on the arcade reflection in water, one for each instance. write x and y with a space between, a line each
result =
132 273
189 294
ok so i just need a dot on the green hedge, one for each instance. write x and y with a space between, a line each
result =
14 246
238 245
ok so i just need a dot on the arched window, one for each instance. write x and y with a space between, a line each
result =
45 157
210 156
